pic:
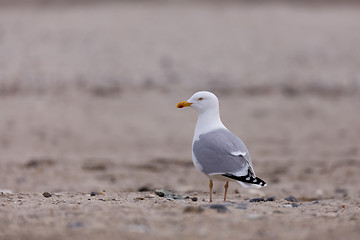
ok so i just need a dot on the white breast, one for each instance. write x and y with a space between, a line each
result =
196 162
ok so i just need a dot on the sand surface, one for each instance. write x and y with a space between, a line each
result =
88 98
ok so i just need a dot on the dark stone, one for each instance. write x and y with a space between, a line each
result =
219 208
194 199
47 194
160 193
270 199
139 198
257 200
175 196
295 205
291 199
94 193
167 194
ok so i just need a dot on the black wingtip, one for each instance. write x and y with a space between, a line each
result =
247 179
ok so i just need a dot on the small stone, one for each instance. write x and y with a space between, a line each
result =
94 193
315 202
5 191
139 198
47 194
287 205
257 200
193 209
270 199
167 194
194 199
149 195
291 199
187 197
219 208
295 205
160 193
176 196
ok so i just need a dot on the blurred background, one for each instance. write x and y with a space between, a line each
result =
88 92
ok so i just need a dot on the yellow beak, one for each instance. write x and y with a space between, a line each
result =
183 104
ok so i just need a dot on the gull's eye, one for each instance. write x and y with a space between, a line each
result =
200 99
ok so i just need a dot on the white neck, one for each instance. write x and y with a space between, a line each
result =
207 121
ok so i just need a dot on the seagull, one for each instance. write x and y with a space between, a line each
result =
216 151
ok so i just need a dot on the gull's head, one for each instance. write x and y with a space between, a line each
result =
201 102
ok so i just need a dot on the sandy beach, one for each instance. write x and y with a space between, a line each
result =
88 96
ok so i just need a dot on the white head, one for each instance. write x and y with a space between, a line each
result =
202 101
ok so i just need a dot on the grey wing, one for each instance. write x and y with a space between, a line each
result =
214 151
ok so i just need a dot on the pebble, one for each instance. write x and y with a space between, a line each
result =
167 194
194 199
139 198
270 199
47 194
5 191
219 208
94 193
193 209
291 205
149 195
291 199
287 205
160 193
315 202
257 200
